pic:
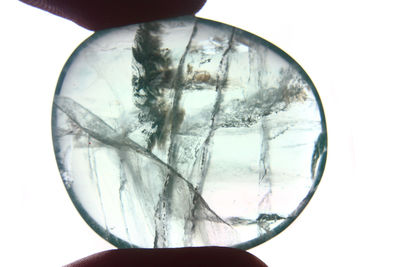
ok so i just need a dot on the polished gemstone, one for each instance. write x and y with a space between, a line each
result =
187 132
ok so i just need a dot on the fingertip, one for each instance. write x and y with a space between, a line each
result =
177 257
103 14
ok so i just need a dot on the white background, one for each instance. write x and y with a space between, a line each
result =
350 49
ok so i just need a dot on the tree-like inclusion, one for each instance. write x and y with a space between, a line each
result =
187 132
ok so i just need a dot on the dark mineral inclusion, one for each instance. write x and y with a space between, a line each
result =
187 132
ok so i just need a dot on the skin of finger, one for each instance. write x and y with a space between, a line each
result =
175 257
103 14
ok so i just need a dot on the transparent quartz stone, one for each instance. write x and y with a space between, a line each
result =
187 132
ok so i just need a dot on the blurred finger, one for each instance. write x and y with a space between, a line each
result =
178 257
102 14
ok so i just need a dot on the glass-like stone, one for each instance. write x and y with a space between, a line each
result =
187 132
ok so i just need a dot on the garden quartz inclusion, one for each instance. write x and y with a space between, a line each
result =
187 132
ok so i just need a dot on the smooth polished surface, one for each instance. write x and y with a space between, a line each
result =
187 132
